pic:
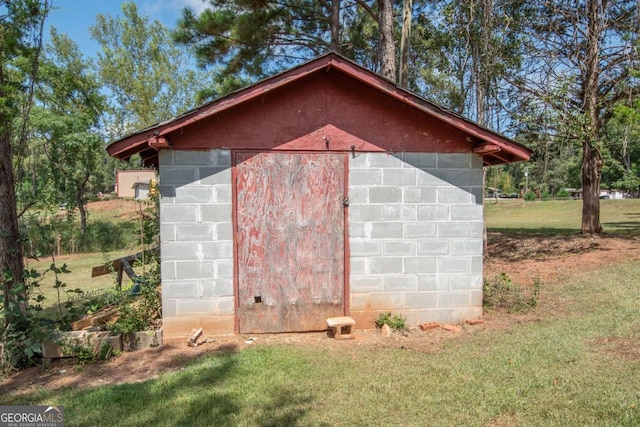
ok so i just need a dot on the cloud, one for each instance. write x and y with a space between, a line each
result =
164 10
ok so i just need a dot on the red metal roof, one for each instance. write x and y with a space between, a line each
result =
493 147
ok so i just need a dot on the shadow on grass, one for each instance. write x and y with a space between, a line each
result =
538 231
220 389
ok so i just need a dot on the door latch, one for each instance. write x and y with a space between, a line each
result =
345 202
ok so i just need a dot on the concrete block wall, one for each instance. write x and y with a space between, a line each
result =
415 233
196 238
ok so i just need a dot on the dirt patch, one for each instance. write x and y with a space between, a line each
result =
123 209
524 258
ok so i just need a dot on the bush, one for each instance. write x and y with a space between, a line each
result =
529 196
502 293
394 321
563 194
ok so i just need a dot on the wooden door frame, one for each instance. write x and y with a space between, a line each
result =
234 202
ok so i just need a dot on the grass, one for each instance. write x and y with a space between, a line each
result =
567 369
559 216
80 266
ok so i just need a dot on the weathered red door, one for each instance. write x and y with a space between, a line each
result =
290 240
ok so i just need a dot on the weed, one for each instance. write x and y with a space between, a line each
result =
501 292
394 321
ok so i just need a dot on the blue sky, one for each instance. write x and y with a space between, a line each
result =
74 17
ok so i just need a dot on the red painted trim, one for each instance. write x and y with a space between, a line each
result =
234 224
138 142
347 250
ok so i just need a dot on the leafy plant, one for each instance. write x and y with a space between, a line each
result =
529 196
501 292
394 321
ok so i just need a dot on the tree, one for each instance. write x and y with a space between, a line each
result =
66 120
21 27
246 40
149 77
582 52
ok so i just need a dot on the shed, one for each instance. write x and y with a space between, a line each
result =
323 191
128 181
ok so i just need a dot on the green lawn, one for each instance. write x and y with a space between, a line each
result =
559 216
580 368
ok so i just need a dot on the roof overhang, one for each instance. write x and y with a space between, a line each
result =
493 147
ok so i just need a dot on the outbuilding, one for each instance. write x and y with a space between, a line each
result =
323 191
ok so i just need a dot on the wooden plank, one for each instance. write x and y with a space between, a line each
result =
290 219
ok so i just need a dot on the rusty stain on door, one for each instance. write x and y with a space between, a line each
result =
290 240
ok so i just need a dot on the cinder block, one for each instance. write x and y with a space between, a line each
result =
416 230
399 248
181 289
420 194
454 300
450 264
466 178
421 300
217 288
399 283
454 230
399 212
195 306
365 212
216 213
386 265
167 232
437 213
168 307
225 306
466 282
384 160
365 177
178 213
181 251
466 212
214 175
433 247
180 327
360 284
385 195
194 158
165 158
477 264
387 301
358 195
223 231
194 232
359 266
365 248
139 340
420 265
399 177
433 178
454 160
168 270
222 194
177 175
386 230
433 282
420 160
450 195
360 161
186 270
466 247
223 269
190 194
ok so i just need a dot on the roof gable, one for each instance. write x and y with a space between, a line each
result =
326 103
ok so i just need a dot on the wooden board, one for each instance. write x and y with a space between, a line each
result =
290 240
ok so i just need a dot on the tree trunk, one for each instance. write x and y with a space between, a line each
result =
11 255
591 174
80 202
335 25
591 157
405 42
387 48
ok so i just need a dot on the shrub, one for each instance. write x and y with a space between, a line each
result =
501 292
563 194
395 321
529 196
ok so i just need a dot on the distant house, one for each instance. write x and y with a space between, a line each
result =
134 183
322 191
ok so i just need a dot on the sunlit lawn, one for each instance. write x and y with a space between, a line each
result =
559 216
